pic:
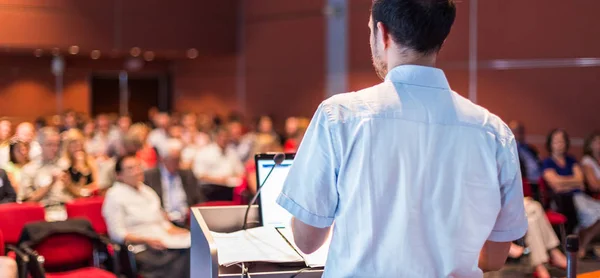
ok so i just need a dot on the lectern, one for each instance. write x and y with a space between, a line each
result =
227 219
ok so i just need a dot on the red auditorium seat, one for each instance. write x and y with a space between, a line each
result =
14 216
64 254
90 209
555 218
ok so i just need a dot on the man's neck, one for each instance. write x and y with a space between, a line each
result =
410 57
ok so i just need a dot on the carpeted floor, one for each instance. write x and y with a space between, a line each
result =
522 269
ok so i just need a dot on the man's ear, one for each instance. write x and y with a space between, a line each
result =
384 35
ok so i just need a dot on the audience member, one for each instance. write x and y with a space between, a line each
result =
19 157
5 130
70 121
175 131
40 123
177 189
81 168
26 133
264 126
565 178
218 167
158 136
529 156
541 240
242 144
89 130
101 140
295 138
7 191
133 215
591 163
263 144
43 180
137 140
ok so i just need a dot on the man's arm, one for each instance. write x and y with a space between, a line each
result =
308 238
493 255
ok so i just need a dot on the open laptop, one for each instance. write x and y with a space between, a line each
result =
273 215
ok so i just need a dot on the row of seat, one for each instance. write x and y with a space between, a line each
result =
66 250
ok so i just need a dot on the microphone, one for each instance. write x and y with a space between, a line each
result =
572 246
278 159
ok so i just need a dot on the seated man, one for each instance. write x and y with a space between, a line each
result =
133 214
177 189
219 168
44 180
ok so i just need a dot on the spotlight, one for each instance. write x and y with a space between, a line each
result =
135 52
148 56
74 49
192 53
95 54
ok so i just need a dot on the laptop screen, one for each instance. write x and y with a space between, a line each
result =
271 213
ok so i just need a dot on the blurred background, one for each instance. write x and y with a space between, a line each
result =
536 61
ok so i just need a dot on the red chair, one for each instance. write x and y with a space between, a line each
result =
14 216
90 209
556 219
67 249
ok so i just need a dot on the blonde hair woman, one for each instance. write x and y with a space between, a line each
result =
80 167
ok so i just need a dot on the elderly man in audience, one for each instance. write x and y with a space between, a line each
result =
177 188
43 180
218 167
133 215
25 132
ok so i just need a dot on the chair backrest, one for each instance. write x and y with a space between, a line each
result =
90 209
14 216
65 249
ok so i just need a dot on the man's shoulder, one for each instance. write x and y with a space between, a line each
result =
343 106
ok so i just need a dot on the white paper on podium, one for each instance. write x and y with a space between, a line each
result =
316 259
262 244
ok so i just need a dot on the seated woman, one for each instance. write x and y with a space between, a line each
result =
19 156
591 164
565 179
81 169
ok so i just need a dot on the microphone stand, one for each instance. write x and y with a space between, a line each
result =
572 246
277 159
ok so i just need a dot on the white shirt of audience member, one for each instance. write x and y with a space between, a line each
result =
591 162
128 211
213 161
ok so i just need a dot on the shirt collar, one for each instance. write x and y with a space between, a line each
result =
419 76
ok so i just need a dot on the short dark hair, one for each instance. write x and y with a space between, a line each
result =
119 163
587 144
551 134
421 25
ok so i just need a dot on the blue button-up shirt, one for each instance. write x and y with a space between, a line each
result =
415 177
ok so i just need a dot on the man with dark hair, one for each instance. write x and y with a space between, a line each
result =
419 181
133 215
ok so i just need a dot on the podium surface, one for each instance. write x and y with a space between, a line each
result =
227 219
